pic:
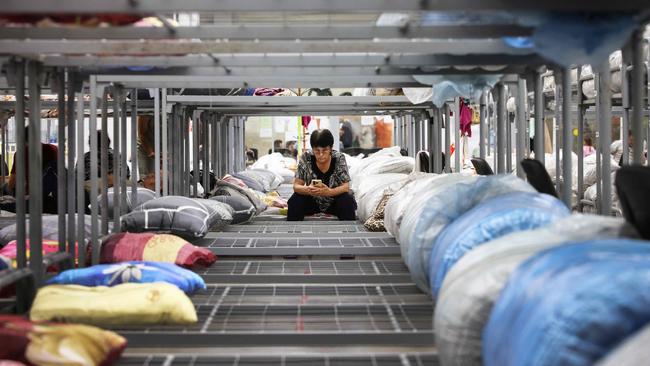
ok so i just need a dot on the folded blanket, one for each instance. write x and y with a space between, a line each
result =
57 344
125 304
131 272
152 247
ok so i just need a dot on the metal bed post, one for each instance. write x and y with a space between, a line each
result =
567 139
214 146
434 133
172 138
104 160
605 122
205 151
637 97
600 150
501 128
418 134
195 150
20 163
459 150
134 147
186 154
156 108
93 170
223 149
445 116
179 138
165 141
539 118
556 125
647 70
625 96
412 136
395 131
60 160
231 140
483 125
35 174
581 132
520 131
510 118
117 194
122 154
81 191
72 197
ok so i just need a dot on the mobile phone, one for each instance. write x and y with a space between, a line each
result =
315 182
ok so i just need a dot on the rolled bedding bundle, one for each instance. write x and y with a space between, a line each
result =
633 350
570 305
45 343
491 219
50 226
122 305
229 189
369 189
131 272
401 200
472 285
453 195
143 194
243 209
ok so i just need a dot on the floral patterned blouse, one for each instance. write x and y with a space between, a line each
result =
340 175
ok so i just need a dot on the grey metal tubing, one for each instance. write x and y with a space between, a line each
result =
204 138
21 207
556 126
156 107
445 112
104 159
177 140
418 132
3 171
35 174
81 202
501 128
647 70
122 154
637 97
580 139
165 152
186 147
134 146
223 148
567 139
521 124
458 151
92 127
605 123
72 140
117 191
60 161
434 133
510 119
625 127
215 143
483 125
195 149
539 118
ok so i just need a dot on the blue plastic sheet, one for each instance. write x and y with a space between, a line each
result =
489 220
570 305
131 272
576 39
447 87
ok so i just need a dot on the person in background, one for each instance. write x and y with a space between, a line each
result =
616 149
345 135
277 146
111 156
48 171
322 182
293 151
588 146
146 146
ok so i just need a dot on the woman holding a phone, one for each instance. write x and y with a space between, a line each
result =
322 182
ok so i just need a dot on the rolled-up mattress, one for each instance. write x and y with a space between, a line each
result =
570 305
454 197
489 220
474 283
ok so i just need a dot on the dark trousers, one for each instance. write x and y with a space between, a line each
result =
344 207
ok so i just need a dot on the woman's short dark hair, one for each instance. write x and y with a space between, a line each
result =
321 138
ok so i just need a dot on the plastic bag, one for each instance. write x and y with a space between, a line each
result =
368 190
400 201
631 352
570 305
472 285
131 272
451 198
489 220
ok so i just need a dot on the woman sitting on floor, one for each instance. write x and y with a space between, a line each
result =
322 182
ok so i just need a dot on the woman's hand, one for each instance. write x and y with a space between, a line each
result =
321 191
